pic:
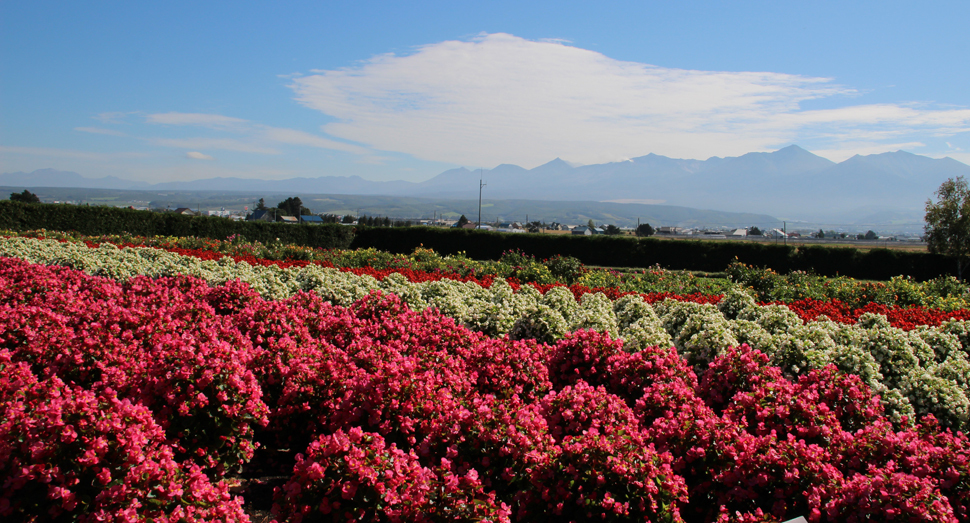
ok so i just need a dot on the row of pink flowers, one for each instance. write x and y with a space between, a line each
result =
132 400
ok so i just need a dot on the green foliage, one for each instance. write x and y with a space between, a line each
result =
695 255
766 285
292 206
948 221
24 197
565 269
113 220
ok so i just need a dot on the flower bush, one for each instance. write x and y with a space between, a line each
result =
67 453
401 414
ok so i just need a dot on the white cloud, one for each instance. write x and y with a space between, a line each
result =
211 121
68 153
294 137
195 155
223 144
259 136
99 130
502 99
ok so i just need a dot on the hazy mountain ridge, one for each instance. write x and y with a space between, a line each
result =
789 183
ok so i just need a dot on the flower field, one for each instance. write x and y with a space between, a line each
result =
142 383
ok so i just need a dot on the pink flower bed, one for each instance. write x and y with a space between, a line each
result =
132 401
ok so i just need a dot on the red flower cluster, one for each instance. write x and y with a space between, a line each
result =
907 318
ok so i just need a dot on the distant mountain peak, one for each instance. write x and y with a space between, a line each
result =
557 162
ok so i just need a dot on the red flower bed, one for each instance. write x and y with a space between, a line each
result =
904 318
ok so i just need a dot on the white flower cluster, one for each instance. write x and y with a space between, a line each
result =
926 370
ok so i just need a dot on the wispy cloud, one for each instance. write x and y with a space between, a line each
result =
222 144
99 130
295 137
195 155
211 121
114 117
498 98
69 153
258 136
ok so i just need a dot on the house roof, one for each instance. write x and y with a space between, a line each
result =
309 218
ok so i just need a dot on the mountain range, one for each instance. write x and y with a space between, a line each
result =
790 183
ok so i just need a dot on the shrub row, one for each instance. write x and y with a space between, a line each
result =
115 220
696 255
612 251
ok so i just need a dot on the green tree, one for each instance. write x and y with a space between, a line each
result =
261 205
348 219
754 231
948 222
592 225
292 206
613 230
462 221
645 230
24 197
871 235
820 234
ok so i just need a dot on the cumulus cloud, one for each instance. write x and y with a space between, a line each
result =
195 155
498 98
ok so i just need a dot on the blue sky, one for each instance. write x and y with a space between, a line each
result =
404 90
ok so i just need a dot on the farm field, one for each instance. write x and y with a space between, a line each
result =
180 379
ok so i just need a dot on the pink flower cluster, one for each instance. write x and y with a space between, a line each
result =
72 454
405 416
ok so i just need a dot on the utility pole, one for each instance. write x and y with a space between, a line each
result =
785 230
637 231
481 184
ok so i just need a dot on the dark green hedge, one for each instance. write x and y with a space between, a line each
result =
614 251
698 255
114 220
